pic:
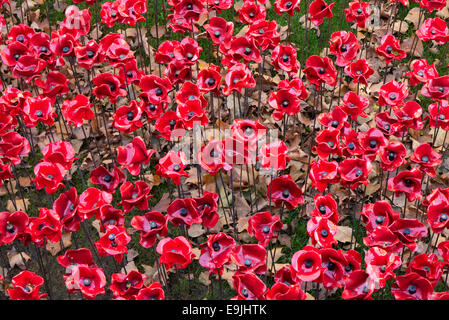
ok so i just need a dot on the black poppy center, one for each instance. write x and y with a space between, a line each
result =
183 212
285 193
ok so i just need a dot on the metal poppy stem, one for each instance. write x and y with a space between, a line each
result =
353 218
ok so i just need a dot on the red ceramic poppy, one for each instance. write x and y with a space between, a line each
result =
372 141
38 109
109 181
443 251
219 31
433 29
381 265
421 72
175 252
250 258
89 280
90 202
7 122
128 285
359 12
307 264
408 231
61 152
286 275
189 9
151 224
248 287
321 232
49 175
428 266
327 143
5 171
66 207
12 146
108 86
166 51
127 117
178 71
251 12
427 158
282 291
262 226
108 13
439 115
209 79
238 152
437 88
207 206
378 214
113 243
248 132
26 286
408 182
333 263
28 68
152 292
334 119
216 252
384 238
392 155
326 207
45 227
408 117
219 5
411 286
390 49
322 173
353 262
237 78
345 46
359 71
358 285
264 33
183 211
318 10
283 190
172 166
192 113
393 94
135 195
76 22
78 110
133 155
438 216
274 155
283 57
116 50
72 257
154 89
130 73
188 51
211 157
320 70
12 225
354 172
108 215
431 5
287 6
21 33
55 84
89 55
436 196
169 125
354 105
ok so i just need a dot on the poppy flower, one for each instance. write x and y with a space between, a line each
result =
408 182
288 6
183 211
385 122
283 57
321 232
66 207
181 24
327 143
307 264
411 286
113 243
61 152
216 252
188 51
21 33
13 52
90 202
109 181
108 86
332 266
358 12
133 155
437 88
90 281
384 238
250 258
45 227
354 172
28 68
207 206
322 173
433 29
359 71
345 46
283 190
48 175
189 9
178 71
78 110
237 78
165 53
390 49
151 224
248 286
326 207
135 195
358 285
127 117
5 171
192 113
353 262
408 231
427 158
7 122
335 119
318 10
12 225
108 215
378 214
237 151
175 252
372 141
169 125
431 5
248 131
428 266
115 50
12 146
381 265
439 115
320 70
209 79
38 109
392 155
40 42
408 117
251 12
130 73
355 105
72 257
421 72
76 21
443 251
282 291
172 166
393 94
26 286
63 43
295 86
127 285
89 55
211 157
264 33
262 226
154 89
241 48
274 155
219 5
438 216
219 31
436 196
55 84
286 275
152 292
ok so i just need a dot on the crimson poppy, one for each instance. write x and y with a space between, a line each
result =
262 226
151 224
358 285
284 58
286 275
183 211
421 72
439 115
61 152
321 232
55 84
108 86
152 292
219 31
219 5
76 21
248 286
353 262
274 155
133 155
307 264
264 33
248 132
108 215
283 190
72 257
89 280
172 166
175 252
408 117
381 265
127 117
48 175
335 119
408 231
38 109
322 173
320 70
411 286
211 157
392 155
428 266
237 78
216 252
66 207
77 110
209 79
359 71
288 6
127 285
390 49
89 55
192 113
12 146
13 225
333 263
207 207
26 286
251 12
90 202
318 10
384 238
344 46
236 150
378 214
115 50
188 51
154 89
437 88
327 143
109 181
443 251
433 29
355 105
45 227
169 125
372 141
326 207
438 216
431 5
135 195
436 196
28 68
354 172
250 258
282 291
393 94
113 242
359 12
408 182
427 158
